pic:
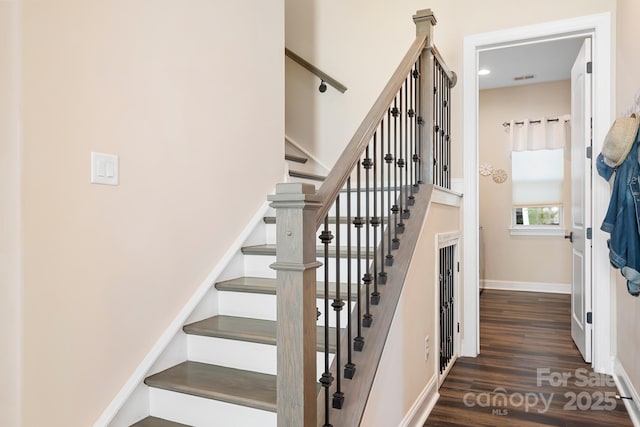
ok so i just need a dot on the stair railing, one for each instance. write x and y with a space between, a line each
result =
324 77
402 143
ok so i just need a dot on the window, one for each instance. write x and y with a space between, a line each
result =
539 215
537 191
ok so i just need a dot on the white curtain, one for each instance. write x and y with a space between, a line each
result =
539 135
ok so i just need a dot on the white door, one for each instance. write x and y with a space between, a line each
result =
581 327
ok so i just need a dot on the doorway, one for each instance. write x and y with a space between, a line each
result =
534 99
598 27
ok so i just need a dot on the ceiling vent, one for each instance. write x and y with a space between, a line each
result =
527 77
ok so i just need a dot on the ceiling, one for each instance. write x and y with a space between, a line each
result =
546 61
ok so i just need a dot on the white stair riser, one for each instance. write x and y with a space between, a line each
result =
200 412
263 306
271 234
240 354
381 200
243 304
344 229
258 266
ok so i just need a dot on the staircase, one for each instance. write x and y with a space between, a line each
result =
233 363
300 168
231 366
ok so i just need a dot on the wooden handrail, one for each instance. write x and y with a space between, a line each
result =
453 77
300 210
315 70
347 161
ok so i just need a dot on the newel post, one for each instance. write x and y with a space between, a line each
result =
425 21
296 208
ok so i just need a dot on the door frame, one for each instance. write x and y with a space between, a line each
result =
600 29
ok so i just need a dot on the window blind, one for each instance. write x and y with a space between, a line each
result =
537 177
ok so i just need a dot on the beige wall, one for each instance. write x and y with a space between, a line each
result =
10 307
355 42
627 311
403 373
190 95
503 256
361 42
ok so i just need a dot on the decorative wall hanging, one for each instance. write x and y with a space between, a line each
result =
486 169
499 176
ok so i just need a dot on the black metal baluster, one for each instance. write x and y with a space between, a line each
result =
436 128
407 164
413 172
388 158
401 163
441 163
452 298
447 301
448 130
375 222
382 276
395 242
358 341
446 306
407 137
350 367
441 120
436 162
441 145
442 314
367 319
450 303
420 122
327 378
338 395
443 127
448 283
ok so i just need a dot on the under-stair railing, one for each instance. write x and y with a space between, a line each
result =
366 200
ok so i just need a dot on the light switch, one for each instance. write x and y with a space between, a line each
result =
104 168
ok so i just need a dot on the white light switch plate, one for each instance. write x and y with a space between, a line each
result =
104 168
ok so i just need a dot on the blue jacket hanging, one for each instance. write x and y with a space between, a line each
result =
622 220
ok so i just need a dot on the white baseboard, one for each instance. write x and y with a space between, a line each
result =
175 327
625 388
553 288
422 407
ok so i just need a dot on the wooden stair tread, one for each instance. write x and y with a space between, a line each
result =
306 175
270 249
354 190
332 219
262 285
247 329
157 422
294 158
236 386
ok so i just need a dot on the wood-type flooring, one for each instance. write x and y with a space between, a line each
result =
528 373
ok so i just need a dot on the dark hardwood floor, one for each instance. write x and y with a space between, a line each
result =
528 373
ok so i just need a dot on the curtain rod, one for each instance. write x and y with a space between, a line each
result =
507 124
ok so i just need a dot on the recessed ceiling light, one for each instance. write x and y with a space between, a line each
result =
483 72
